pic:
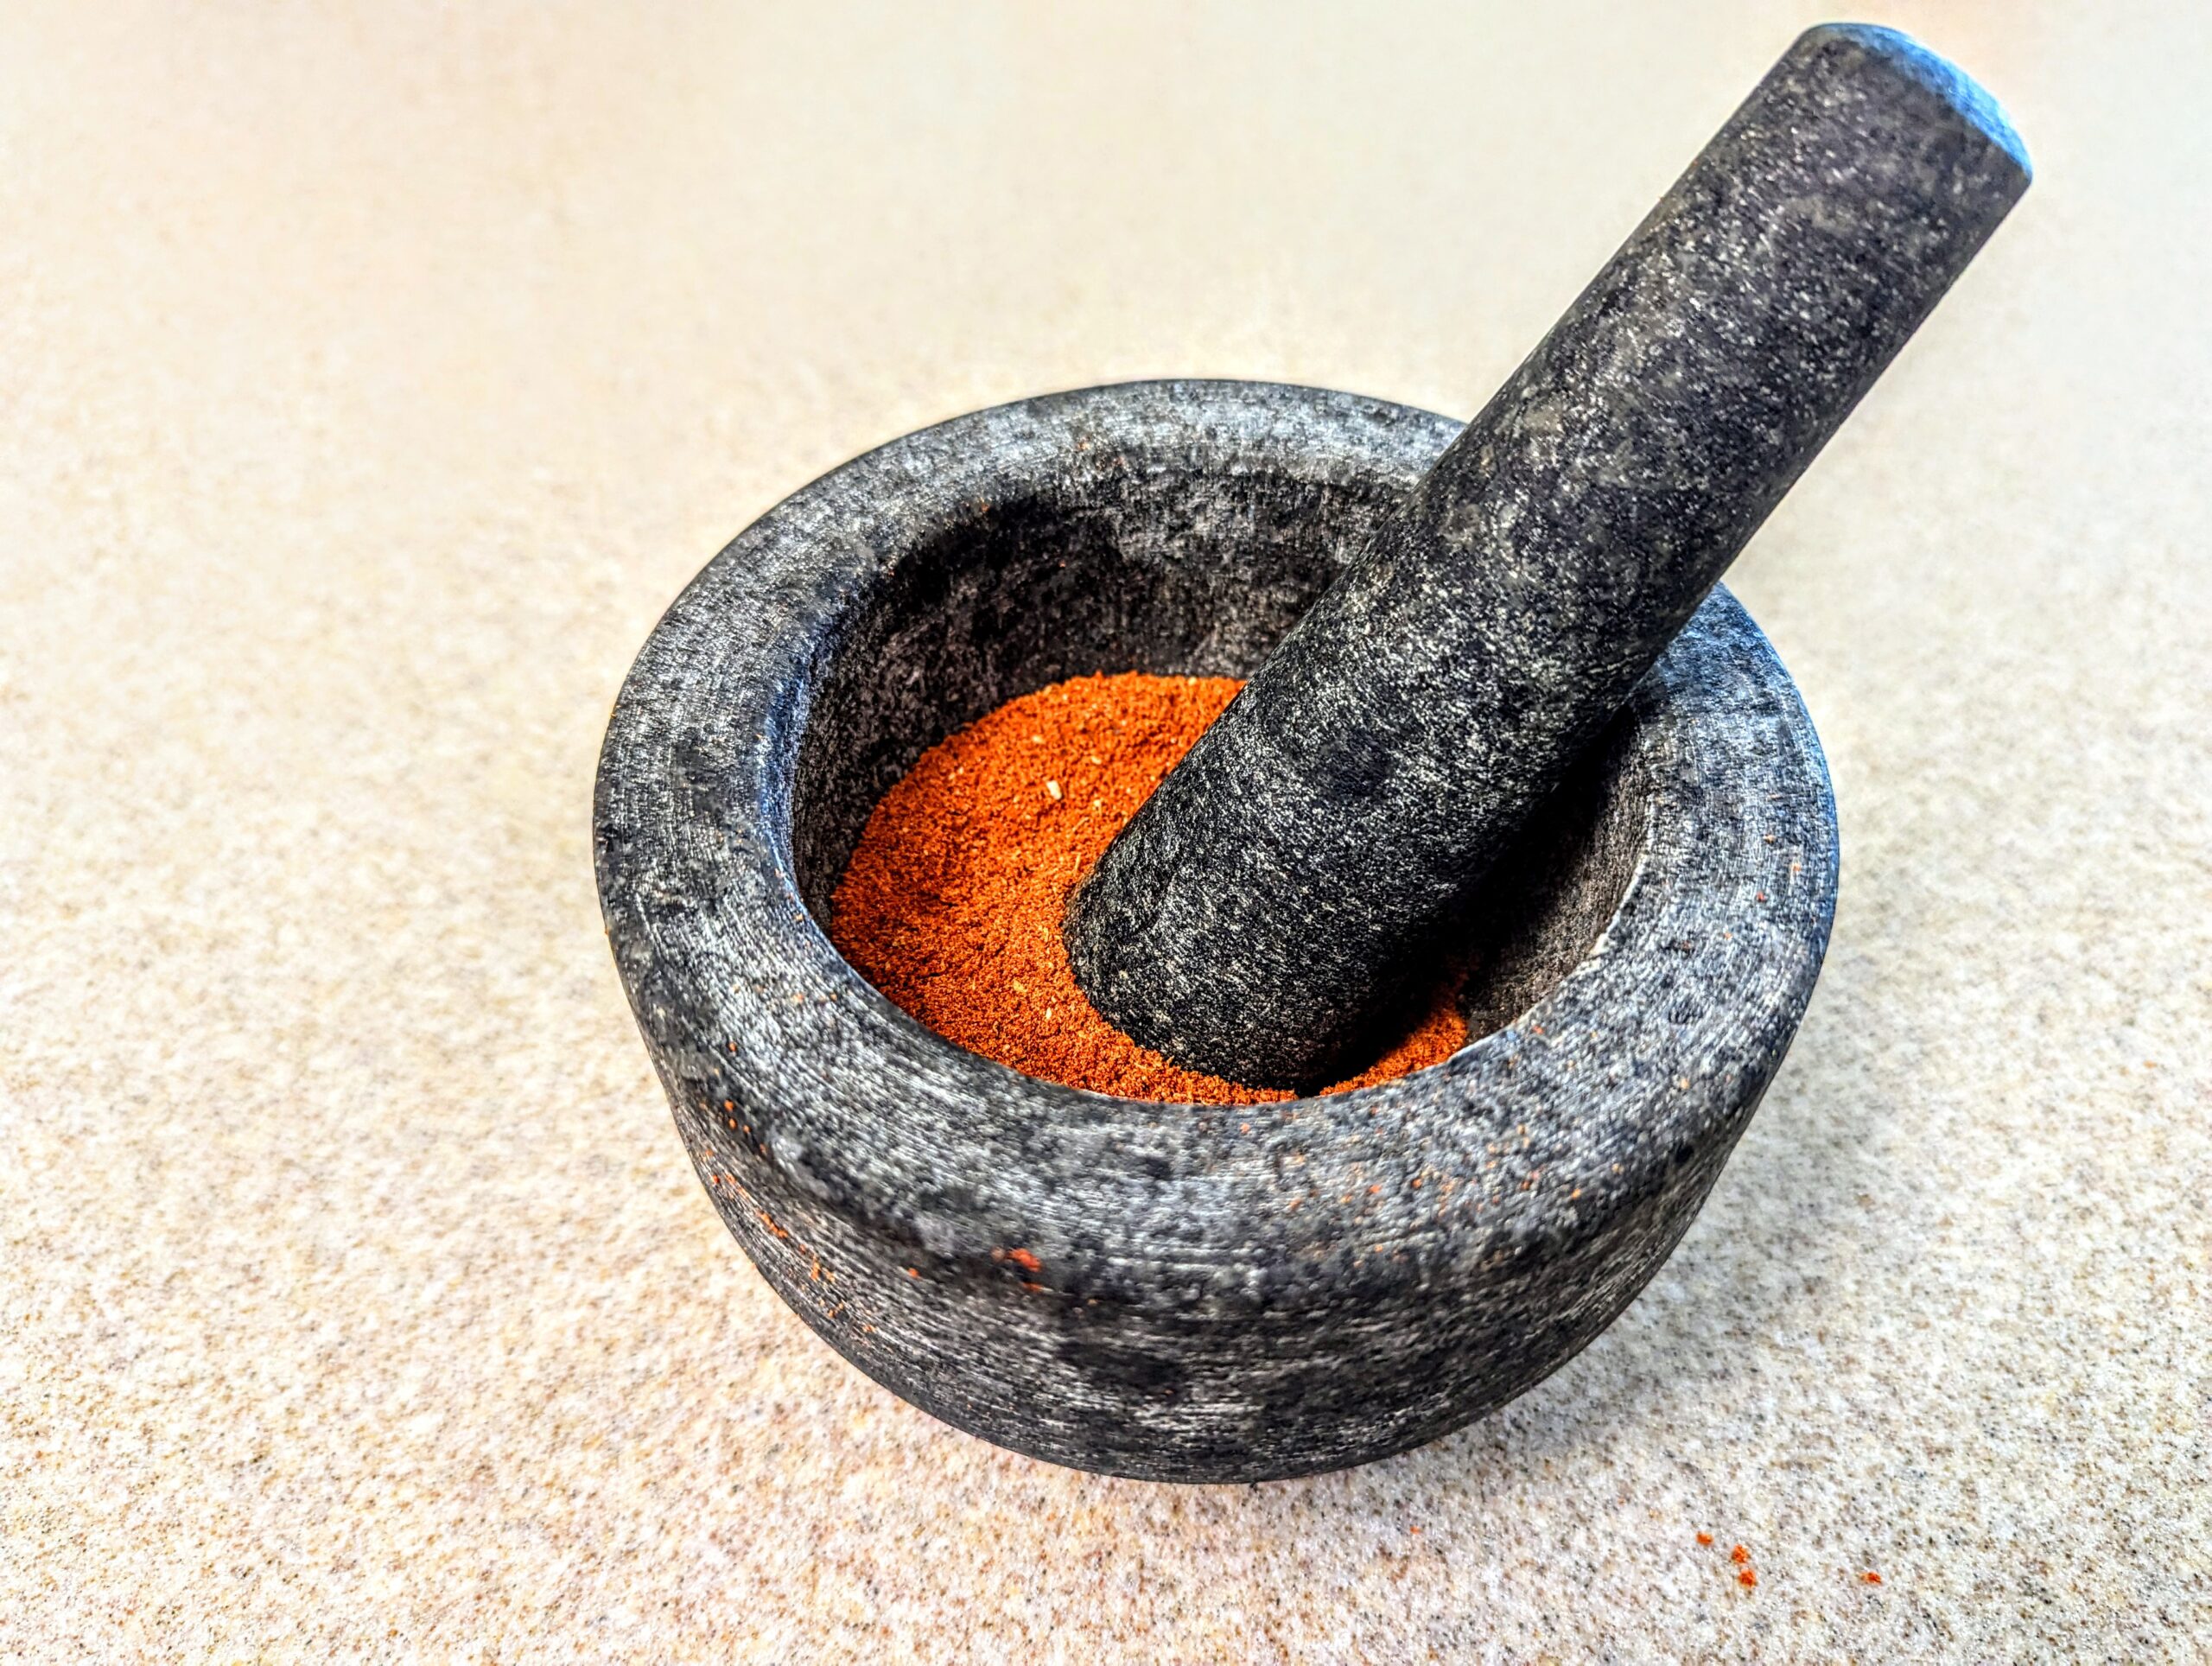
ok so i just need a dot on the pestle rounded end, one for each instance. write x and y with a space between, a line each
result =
1952 86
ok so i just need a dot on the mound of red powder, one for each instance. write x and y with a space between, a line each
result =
952 902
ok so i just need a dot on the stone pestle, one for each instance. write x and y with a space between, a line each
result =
1267 906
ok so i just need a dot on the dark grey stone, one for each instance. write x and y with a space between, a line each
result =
1186 1293
1297 869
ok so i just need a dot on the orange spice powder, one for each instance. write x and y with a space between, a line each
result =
952 902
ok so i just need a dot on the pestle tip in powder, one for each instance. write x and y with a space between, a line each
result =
951 904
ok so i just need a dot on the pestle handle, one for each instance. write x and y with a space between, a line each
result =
1273 896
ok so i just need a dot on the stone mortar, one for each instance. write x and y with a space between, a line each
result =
1178 1292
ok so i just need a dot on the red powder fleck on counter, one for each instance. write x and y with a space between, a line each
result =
1870 1577
1737 1553
952 902
1705 1538
1747 1579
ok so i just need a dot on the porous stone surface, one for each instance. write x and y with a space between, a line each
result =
1292 873
1181 1292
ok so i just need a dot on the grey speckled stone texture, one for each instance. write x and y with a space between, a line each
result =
1186 1293
1285 880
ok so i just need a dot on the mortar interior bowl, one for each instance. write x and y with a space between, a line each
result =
1181 1292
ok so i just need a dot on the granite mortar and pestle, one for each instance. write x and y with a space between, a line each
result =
1498 708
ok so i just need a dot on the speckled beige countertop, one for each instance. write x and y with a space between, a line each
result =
369 379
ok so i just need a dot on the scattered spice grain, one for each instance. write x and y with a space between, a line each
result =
952 901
